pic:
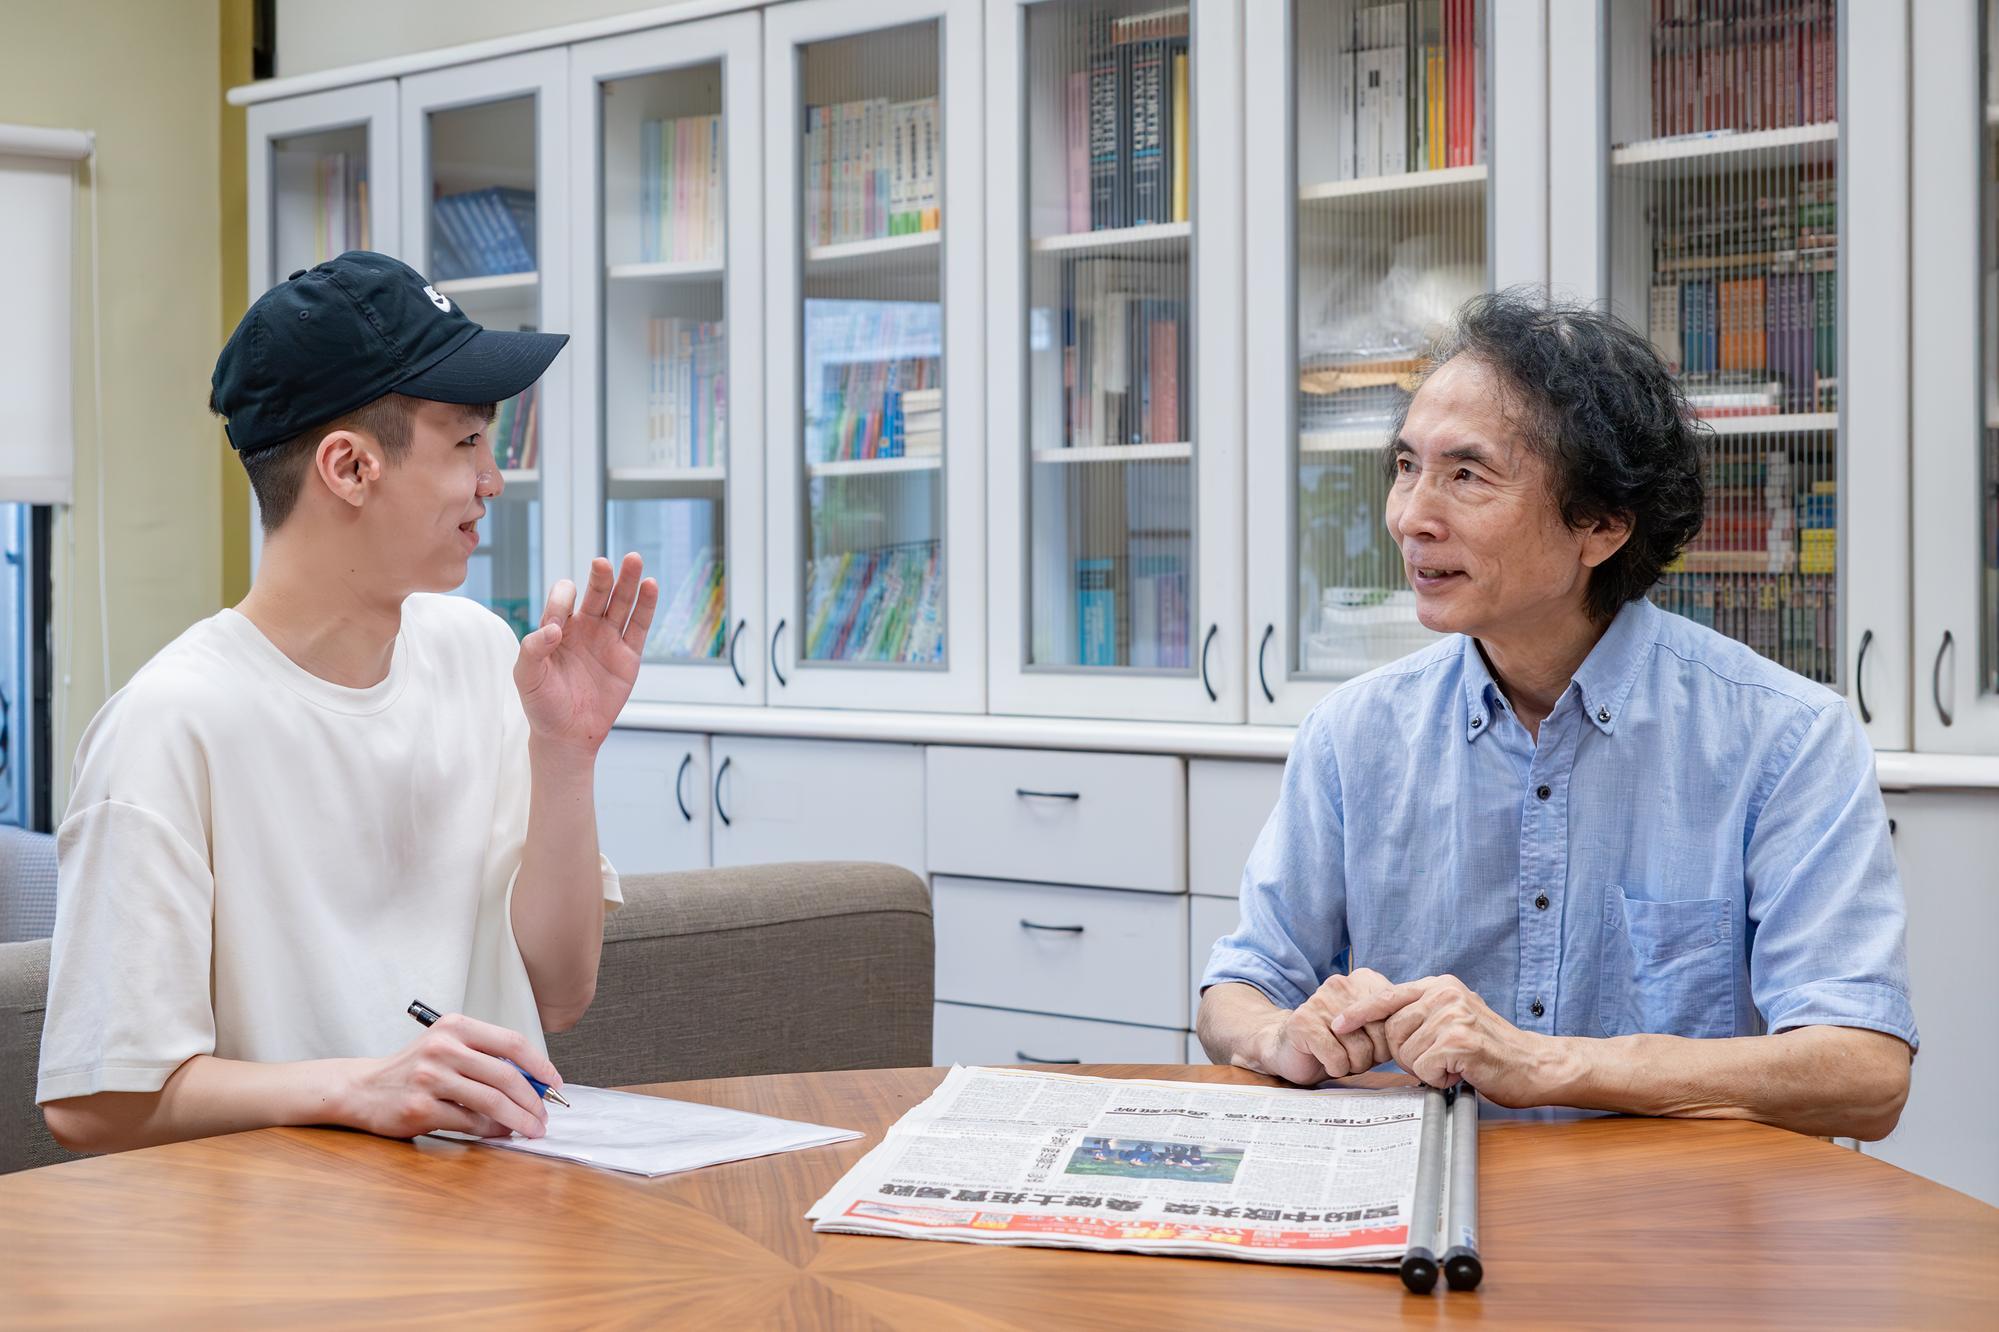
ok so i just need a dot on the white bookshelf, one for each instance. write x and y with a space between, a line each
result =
1729 150
1457 182
873 467
664 271
1158 238
1116 453
1781 423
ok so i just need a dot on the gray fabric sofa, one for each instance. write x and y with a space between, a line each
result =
706 974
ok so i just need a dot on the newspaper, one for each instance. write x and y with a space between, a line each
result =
1013 1156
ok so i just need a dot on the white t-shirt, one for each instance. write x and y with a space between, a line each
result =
260 864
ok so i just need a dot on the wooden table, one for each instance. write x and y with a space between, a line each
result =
1603 1222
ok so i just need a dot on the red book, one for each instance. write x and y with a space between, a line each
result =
1163 350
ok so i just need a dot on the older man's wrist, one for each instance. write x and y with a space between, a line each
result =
1565 1068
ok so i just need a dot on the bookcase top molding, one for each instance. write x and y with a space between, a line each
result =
445 57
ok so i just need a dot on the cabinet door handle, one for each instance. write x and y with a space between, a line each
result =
1207 643
1261 648
680 784
1027 924
1936 679
720 773
733 640
774 636
1859 678
1026 794
1026 1058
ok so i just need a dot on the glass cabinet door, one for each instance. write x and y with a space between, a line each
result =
1118 470
484 206
1370 227
322 179
1724 247
876 437
668 122
1955 375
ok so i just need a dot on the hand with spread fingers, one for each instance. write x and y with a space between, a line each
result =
576 671
1442 1031
1301 1045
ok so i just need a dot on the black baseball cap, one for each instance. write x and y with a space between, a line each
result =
343 333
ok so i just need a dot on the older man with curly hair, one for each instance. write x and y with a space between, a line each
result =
1581 851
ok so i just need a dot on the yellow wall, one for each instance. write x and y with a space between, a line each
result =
144 75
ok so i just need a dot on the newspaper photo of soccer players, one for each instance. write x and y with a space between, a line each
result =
1125 1158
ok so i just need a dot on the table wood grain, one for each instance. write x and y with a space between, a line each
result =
1626 1223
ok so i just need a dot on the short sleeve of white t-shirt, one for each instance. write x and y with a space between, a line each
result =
259 864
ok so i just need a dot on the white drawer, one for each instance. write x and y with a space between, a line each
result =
816 800
1082 952
1113 820
1208 919
1228 802
994 1036
652 801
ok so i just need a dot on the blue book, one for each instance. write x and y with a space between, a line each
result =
1096 612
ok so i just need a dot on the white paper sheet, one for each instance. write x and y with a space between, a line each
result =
649 1135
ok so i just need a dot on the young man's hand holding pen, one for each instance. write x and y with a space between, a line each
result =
462 1074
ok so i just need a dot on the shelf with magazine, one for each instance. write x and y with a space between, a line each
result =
1725 245
319 197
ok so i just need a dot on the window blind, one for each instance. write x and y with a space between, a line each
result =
37 425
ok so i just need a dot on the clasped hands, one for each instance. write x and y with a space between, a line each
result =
1436 1028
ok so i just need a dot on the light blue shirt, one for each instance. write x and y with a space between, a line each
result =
1696 846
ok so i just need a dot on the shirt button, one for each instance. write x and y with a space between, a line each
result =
1541 902
1543 792
1477 722
1536 1009
1603 715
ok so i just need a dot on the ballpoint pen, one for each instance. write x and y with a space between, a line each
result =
425 1014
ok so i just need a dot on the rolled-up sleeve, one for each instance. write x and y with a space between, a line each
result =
1826 912
1293 891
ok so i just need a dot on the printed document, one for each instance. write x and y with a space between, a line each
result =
1013 1156
650 1135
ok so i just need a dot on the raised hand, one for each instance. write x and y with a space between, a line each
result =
575 672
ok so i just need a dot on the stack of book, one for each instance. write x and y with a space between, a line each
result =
680 190
1126 133
480 233
862 411
1743 65
872 169
1153 619
922 419
691 624
1745 291
338 185
1763 567
515 434
1408 89
1124 353
884 604
686 399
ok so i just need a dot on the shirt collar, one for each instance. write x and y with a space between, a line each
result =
1602 682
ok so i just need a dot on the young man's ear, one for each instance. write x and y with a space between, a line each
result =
347 463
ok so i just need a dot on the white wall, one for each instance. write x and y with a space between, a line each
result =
314 35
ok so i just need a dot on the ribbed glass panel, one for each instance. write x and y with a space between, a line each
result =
665 417
1725 217
1109 168
872 247
1392 151
319 199
483 255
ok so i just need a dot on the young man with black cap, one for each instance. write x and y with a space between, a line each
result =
309 810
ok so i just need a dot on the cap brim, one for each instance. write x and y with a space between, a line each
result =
489 366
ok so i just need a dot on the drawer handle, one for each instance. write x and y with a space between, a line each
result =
1860 676
1936 679
1027 924
680 784
776 634
734 639
720 773
1026 794
1026 1058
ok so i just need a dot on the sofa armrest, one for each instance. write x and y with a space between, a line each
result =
24 993
767 969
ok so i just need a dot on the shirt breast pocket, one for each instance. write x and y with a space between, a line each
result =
1668 967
